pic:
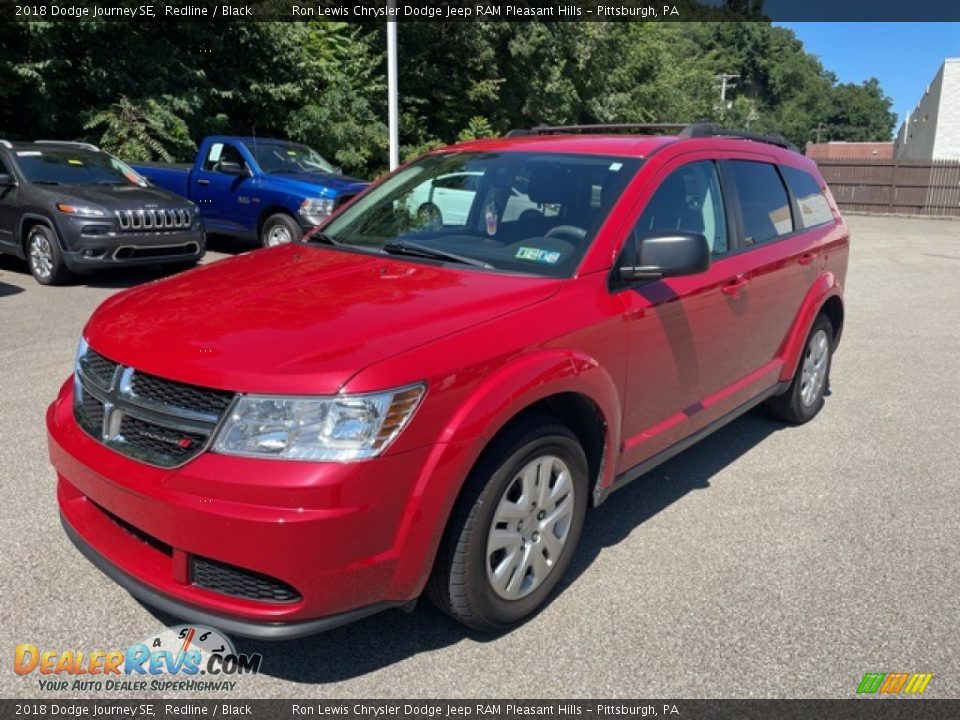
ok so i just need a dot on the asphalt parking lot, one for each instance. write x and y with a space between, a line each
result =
767 561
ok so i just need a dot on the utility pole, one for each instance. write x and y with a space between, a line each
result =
819 129
725 83
392 113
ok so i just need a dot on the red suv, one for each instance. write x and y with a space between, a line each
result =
432 389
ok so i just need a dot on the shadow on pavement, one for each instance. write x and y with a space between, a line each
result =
391 636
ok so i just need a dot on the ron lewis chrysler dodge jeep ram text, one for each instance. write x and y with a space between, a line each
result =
293 438
70 208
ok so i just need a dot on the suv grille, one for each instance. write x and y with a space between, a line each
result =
154 219
159 422
230 580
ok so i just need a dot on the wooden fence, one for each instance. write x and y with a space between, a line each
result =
892 187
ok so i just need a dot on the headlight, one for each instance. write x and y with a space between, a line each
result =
335 428
315 210
82 210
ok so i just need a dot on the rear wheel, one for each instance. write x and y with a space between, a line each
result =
44 257
804 399
279 229
515 528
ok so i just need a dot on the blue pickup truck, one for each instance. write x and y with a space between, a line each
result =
258 188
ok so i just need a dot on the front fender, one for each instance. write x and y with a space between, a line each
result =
488 408
825 287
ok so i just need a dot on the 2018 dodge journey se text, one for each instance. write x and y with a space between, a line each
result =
429 400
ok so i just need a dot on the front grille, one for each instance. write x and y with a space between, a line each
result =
157 421
180 395
230 580
98 368
154 219
156 443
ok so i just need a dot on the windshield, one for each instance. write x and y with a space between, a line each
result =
273 156
75 167
513 211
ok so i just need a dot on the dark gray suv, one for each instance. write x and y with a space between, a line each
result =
71 208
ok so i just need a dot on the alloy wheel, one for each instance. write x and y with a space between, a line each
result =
530 527
816 360
41 255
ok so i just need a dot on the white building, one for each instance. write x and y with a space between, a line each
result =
932 130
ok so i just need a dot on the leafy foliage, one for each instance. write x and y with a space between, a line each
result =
142 133
148 91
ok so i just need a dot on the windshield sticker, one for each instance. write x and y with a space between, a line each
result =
614 167
551 257
74 161
29 153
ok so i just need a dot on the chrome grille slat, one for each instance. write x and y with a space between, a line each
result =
157 421
154 219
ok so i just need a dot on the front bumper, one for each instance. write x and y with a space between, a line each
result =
91 244
330 531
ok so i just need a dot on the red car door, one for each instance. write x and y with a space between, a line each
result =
778 262
684 332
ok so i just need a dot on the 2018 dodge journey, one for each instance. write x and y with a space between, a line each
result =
429 398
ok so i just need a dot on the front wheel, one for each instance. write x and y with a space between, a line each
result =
804 399
514 529
279 229
45 258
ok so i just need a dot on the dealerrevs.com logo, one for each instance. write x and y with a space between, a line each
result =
187 657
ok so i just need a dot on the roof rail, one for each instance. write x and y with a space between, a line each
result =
692 130
703 129
7 144
649 128
84 145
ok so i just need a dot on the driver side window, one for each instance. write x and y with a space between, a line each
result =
221 152
689 199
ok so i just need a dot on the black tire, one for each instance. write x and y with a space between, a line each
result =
277 226
790 406
44 256
459 584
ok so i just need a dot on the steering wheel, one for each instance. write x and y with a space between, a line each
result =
570 232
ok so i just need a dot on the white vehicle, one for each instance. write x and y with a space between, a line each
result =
446 201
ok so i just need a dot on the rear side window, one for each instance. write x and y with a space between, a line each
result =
813 205
763 201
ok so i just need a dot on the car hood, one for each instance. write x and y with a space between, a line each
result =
333 183
122 196
297 319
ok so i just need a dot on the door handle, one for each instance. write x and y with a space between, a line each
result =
201 181
732 288
807 258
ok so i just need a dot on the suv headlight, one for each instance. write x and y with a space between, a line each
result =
80 210
335 428
315 210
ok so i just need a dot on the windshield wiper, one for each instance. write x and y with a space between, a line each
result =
408 248
46 182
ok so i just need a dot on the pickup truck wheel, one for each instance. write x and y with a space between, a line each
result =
44 257
279 229
515 527
804 399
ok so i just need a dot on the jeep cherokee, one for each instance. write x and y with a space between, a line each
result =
70 208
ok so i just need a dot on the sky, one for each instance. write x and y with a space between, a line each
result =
904 57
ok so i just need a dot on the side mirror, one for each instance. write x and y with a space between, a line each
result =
233 168
668 254
6 180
